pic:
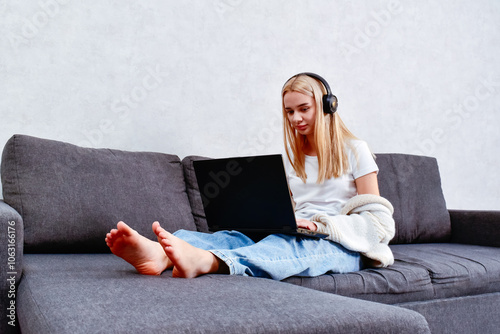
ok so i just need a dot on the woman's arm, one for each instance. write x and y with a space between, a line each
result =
367 184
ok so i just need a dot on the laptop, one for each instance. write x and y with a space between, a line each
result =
248 194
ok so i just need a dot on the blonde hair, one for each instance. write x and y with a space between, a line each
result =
330 134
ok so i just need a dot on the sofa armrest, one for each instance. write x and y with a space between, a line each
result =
11 265
475 227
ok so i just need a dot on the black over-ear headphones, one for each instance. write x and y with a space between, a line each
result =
330 101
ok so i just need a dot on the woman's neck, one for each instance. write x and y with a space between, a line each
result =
309 147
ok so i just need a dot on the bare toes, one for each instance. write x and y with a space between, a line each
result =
145 255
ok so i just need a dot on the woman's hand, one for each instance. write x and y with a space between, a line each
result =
304 223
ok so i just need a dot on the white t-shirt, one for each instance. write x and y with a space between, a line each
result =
329 197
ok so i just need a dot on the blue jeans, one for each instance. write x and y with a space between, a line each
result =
277 256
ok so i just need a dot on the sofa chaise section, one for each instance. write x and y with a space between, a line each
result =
93 293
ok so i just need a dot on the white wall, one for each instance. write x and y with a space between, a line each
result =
204 77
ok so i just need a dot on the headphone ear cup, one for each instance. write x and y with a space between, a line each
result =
329 104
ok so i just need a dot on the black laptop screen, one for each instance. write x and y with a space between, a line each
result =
245 192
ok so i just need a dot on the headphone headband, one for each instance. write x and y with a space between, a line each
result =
330 101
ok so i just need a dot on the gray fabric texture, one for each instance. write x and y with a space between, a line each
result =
194 192
101 293
464 315
400 282
11 257
413 186
476 227
455 270
420 272
70 197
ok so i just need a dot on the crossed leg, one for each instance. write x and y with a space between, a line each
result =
152 258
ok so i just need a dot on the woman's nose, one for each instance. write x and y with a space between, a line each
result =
297 118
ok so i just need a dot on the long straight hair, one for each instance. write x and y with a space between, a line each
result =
330 134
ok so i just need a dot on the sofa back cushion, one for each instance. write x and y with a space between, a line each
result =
70 197
194 192
413 186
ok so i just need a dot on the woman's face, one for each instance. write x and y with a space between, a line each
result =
301 112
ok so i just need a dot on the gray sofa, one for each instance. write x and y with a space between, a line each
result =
59 277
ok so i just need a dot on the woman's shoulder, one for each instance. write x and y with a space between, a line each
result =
361 158
356 145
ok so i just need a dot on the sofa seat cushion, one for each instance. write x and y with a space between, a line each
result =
420 272
86 293
70 196
455 269
401 282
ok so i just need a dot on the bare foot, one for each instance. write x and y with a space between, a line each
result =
188 260
147 256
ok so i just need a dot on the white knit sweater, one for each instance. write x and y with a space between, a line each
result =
364 225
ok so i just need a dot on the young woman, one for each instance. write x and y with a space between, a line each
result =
327 167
